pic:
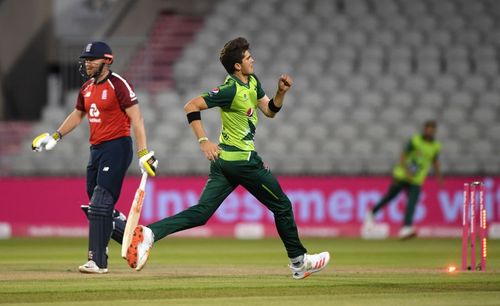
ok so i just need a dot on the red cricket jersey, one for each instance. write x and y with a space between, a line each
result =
105 105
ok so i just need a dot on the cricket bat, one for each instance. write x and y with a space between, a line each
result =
134 214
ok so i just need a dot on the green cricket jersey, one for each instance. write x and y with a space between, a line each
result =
420 155
238 103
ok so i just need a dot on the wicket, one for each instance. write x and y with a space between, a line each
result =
469 226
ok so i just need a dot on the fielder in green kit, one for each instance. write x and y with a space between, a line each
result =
234 162
421 152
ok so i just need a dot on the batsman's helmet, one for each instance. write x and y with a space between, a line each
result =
97 49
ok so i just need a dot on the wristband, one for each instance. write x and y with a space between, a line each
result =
142 152
57 135
273 107
192 116
202 139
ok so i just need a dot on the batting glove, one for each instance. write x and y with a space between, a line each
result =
45 141
148 162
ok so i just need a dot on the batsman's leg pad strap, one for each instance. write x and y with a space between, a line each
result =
101 203
119 223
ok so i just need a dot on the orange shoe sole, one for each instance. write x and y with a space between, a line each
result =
132 254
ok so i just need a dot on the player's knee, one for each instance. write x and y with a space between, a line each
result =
284 209
101 203
202 221
282 213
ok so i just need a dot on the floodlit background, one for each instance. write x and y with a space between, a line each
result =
367 74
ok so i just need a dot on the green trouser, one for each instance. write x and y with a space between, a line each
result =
226 173
413 192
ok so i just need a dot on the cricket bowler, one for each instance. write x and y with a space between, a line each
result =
234 162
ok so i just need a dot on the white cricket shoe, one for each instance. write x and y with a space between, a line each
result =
407 232
372 230
91 267
312 263
138 251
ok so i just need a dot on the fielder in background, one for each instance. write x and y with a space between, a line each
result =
234 162
421 152
111 107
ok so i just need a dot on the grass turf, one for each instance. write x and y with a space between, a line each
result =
254 272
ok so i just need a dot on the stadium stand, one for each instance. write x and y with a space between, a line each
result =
367 74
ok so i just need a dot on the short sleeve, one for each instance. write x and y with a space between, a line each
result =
124 92
260 91
409 146
221 96
80 102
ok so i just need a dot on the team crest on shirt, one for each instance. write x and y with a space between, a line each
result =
250 112
104 95
214 91
87 94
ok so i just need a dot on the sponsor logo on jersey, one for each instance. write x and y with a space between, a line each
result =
250 112
214 91
94 114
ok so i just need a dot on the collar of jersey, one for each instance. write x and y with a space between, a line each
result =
106 78
247 85
427 140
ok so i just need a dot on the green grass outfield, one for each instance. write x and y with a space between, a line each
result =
253 272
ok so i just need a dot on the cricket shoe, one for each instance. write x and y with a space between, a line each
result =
312 263
138 251
369 219
372 230
407 232
91 267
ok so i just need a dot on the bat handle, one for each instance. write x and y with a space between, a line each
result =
144 178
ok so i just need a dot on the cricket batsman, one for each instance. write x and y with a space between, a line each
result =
111 107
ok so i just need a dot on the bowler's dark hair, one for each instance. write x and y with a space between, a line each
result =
232 53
